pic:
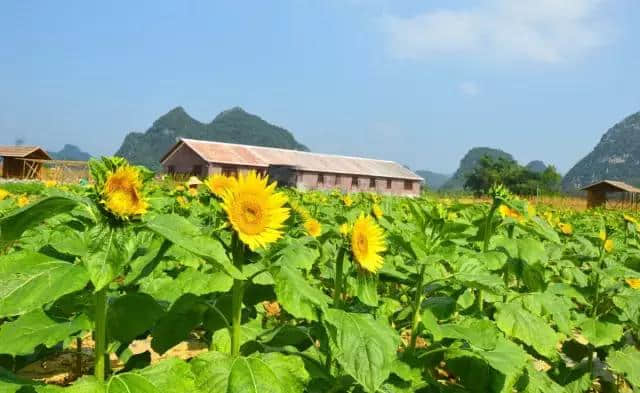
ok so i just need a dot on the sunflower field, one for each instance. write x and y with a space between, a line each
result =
135 285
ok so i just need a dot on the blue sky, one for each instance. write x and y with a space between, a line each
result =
419 82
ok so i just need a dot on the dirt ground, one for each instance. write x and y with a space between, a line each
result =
61 368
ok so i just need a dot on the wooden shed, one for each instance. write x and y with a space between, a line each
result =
22 162
597 192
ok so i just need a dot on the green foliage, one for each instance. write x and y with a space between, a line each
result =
469 163
520 180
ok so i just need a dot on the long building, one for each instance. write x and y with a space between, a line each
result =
303 170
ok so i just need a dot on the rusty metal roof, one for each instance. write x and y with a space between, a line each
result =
21 151
611 186
258 156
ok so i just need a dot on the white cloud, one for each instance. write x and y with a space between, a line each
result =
547 31
469 88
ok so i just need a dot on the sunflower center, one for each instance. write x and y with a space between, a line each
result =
362 244
252 217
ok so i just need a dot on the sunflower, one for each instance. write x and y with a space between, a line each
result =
377 211
505 211
179 188
182 201
633 282
193 191
219 184
608 245
344 229
602 235
3 194
367 242
313 227
121 193
50 183
255 210
567 228
629 218
347 200
23 201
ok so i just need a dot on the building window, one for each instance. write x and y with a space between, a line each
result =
171 169
229 171
354 181
389 183
337 180
320 178
408 185
196 170
372 183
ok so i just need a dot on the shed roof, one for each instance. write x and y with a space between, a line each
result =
259 156
612 186
21 151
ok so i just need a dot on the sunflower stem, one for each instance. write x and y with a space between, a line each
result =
337 291
100 334
236 298
417 302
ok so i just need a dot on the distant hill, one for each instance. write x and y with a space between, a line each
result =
434 180
468 163
616 157
70 153
232 126
536 166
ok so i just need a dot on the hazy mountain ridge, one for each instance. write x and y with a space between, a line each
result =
232 126
615 157
433 180
70 152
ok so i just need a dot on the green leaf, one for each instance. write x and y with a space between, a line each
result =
183 233
627 363
131 315
473 275
540 382
167 288
506 357
172 375
248 332
367 288
519 323
478 333
297 254
174 327
22 336
109 251
296 295
30 280
13 225
364 347
129 383
260 373
600 333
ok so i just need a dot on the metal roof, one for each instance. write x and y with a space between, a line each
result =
621 186
259 156
21 151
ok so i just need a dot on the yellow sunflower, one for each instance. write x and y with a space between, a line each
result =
182 201
347 200
122 193
344 229
23 201
193 191
50 183
629 218
367 242
567 228
505 211
255 210
179 188
602 235
313 227
377 211
608 245
219 184
633 282
3 194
